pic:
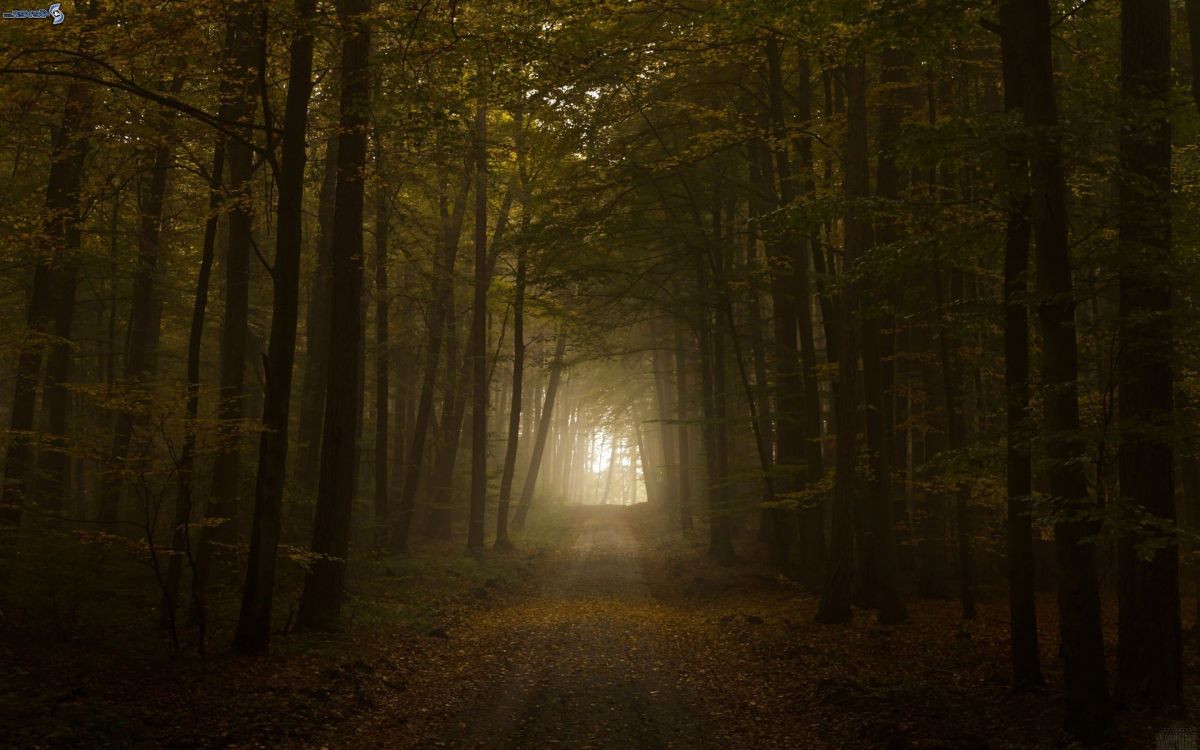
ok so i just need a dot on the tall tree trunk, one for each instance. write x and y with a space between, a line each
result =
539 442
1088 711
878 379
143 326
382 348
812 517
957 432
181 546
479 400
443 290
324 581
787 257
836 595
682 394
237 107
254 620
662 401
1150 643
316 373
53 290
1026 661
514 413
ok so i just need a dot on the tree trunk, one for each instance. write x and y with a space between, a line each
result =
836 595
443 288
539 443
1088 712
52 300
143 329
254 619
181 537
787 257
324 581
514 413
957 432
382 349
1026 662
682 394
237 107
1150 644
812 517
479 401
662 401
316 375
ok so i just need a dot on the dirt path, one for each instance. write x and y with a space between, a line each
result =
630 640
584 663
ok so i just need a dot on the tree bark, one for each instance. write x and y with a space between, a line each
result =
382 348
442 290
52 299
836 595
143 327
254 619
539 443
682 394
237 107
1088 711
514 413
181 546
316 375
1150 643
324 581
1026 661
479 400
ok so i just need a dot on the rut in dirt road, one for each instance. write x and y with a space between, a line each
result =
584 663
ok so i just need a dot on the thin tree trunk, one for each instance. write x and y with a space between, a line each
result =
254 619
479 401
382 349
231 409
539 443
682 394
1088 711
1150 643
957 432
1026 661
442 290
316 373
53 290
324 581
662 401
181 547
812 516
836 595
514 413
143 327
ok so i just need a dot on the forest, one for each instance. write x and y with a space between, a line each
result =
600 374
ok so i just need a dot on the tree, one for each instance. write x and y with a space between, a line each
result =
1026 662
1088 712
324 581
1150 644
254 621
479 401
543 430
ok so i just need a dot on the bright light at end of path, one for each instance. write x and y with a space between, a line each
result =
601 451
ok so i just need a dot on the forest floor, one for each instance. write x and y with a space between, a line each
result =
609 638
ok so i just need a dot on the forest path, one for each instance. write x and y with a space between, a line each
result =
588 661
629 638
